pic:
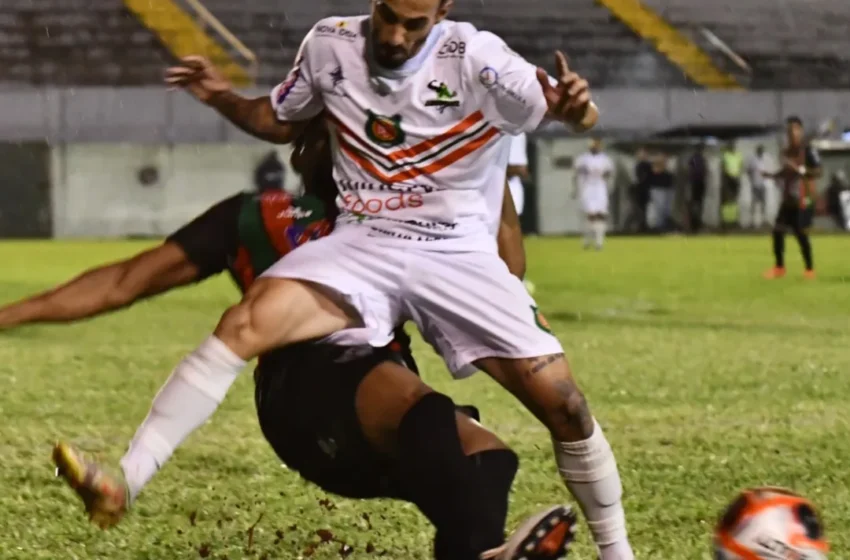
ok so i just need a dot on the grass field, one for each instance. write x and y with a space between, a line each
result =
706 378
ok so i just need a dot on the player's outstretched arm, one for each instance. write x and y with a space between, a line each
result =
255 116
569 100
105 288
509 237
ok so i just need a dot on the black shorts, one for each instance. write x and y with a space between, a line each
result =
305 404
791 216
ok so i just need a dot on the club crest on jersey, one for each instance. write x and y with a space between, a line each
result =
445 97
384 131
540 320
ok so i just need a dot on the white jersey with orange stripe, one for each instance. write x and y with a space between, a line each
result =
417 152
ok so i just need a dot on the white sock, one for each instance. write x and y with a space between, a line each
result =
590 471
588 233
195 389
599 227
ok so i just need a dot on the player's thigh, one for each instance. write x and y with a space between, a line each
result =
280 311
468 306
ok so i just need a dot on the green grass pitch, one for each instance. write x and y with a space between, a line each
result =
706 379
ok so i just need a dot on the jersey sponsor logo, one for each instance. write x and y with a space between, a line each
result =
384 131
489 78
358 204
340 30
294 213
445 97
347 185
452 49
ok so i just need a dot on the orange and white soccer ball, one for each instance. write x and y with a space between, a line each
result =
770 524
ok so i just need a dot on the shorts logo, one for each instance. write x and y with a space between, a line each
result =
541 321
488 77
384 131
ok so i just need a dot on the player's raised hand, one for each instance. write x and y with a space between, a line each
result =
569 101
199 77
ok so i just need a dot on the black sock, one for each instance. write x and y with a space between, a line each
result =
805 248
496 470
444 483
779 248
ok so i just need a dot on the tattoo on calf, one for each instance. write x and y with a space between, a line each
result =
541 363
575 407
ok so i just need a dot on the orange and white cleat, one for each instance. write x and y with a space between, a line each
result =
104 495
545 536
809 274
774 273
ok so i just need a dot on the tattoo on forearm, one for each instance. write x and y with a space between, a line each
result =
541 363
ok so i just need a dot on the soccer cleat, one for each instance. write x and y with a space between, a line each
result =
774 273
545 536
809 274
105 496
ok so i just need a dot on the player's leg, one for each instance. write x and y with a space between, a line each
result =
802 223
547 388
273 311
600 225
474 312
370 427
276 311
783 218
455 471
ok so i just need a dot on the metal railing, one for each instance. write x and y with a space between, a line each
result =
209 22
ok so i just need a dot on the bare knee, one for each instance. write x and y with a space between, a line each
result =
279 312
547 388
237 331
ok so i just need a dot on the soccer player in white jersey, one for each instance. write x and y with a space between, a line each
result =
416 104
594 170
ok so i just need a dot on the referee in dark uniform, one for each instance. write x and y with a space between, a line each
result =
797 180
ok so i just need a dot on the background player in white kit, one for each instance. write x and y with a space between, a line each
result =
594 171
416 103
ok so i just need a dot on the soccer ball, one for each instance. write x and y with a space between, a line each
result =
769 524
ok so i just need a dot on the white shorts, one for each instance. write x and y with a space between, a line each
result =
467 305
594 201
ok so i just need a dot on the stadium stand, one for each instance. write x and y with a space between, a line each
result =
598 45
76 42
776 38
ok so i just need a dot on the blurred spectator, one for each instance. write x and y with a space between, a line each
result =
269 173
639 193
760 168
698 179
661 192
732 165
518 170
834 205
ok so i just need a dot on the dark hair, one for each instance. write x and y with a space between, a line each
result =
794 119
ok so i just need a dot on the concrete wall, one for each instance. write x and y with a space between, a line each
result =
96 191
154 115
